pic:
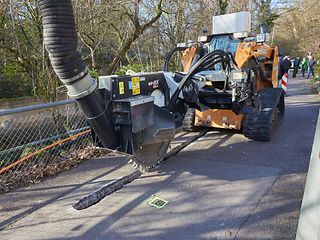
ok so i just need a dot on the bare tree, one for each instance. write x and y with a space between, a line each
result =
136 28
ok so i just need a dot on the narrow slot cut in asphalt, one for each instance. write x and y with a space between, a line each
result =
222 186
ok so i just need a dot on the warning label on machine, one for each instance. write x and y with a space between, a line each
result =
121 87
135 85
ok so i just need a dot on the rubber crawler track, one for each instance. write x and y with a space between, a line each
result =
262 124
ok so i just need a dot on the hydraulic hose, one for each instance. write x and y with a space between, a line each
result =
169 56
206 61
60 39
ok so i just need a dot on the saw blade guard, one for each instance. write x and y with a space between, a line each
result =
146 130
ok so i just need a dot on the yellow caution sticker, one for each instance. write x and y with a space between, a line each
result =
121 88
135 85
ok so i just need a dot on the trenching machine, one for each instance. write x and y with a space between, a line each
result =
140 114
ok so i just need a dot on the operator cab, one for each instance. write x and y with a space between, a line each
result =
224 42
228 31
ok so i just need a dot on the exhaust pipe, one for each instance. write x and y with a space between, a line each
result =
60 39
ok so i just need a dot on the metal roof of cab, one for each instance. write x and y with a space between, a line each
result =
231 23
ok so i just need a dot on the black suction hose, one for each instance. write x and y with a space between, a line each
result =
60 39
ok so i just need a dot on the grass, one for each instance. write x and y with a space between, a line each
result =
315 84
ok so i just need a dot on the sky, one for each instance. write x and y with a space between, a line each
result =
281 3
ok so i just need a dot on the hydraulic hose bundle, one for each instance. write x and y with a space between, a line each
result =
206 62
60 39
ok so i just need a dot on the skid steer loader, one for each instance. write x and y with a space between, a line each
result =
139 114
227 99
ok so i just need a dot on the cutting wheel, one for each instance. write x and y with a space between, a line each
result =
148 155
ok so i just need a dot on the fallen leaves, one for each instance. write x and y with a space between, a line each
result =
32 173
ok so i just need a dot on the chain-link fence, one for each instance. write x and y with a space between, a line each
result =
40 140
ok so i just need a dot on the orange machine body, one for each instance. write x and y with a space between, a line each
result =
218 118
227 119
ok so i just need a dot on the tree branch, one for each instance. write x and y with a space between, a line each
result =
134 35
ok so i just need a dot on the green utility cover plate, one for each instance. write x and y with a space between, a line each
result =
157 202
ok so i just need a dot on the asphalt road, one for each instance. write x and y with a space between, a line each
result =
222 186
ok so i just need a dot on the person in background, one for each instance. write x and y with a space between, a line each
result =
296 65
311 65
304 66
309 55
286 64
281 68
